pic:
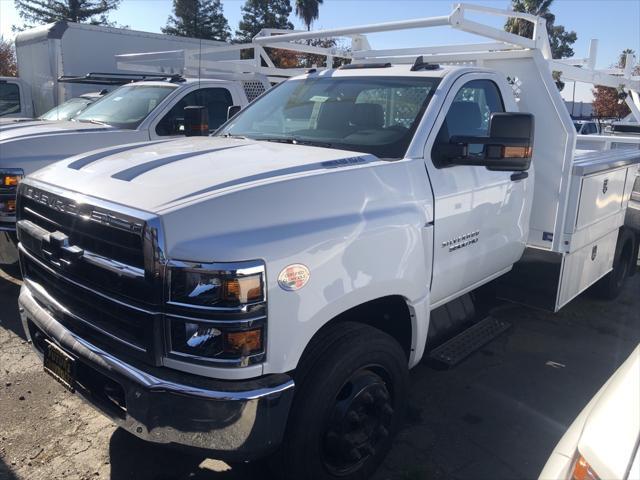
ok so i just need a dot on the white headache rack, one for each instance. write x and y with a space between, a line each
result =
201 62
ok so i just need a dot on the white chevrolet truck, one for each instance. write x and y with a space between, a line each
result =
266 290
144 111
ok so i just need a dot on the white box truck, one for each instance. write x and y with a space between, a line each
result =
267 289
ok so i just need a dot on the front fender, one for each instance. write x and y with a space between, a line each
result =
362 233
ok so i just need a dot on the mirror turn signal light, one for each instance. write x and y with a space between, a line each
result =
582 470
517 152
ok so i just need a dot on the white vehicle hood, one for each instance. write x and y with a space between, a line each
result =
32 145
160 176
43 127
612 428
12 121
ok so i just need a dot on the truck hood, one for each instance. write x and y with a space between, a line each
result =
23 120
160 176
32 145
612 428
12 130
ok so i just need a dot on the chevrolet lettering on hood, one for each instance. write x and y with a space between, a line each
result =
85 211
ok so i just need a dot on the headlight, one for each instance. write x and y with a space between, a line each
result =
213 289
217 312
9 180
208 340
582 470
8 206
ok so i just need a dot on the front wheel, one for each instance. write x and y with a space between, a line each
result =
350 395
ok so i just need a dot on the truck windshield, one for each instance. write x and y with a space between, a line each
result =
375 115
127 106
67 110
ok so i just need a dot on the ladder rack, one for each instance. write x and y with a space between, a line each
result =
502 46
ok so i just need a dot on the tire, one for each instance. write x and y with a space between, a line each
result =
611 285
350 396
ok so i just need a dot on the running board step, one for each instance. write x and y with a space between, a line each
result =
464 344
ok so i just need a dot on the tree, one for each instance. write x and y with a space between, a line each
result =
308 11
49 11
8 66
609 102
198 18
259 14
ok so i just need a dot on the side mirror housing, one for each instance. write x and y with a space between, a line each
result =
232 111
196 121
508 147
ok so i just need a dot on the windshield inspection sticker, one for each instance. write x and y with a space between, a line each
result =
293 277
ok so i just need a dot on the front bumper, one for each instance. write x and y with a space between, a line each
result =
235 420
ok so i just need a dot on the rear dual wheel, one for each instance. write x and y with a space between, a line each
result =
611 285
350 395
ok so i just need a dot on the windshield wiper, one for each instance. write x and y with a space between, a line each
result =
92 121
229 135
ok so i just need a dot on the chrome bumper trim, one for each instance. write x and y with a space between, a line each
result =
241 420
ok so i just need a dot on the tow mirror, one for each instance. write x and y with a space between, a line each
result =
196 121
232 111
508 147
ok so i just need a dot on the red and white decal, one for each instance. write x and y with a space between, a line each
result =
293 277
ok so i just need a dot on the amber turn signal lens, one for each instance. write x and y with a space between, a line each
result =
11 180
244 289
583 471
517 152
244 342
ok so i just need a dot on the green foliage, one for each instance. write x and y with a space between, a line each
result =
308 11
199 19
37 12
259 14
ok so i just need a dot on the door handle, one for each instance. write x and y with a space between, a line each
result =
519 176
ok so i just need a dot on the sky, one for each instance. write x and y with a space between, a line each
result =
616 23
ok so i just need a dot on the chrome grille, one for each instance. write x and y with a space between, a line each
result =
99 269
87 243
93 269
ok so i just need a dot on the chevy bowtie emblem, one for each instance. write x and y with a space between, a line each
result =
57 249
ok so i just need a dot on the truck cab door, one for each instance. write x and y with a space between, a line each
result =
216 99
480 216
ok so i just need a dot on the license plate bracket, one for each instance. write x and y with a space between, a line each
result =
60 365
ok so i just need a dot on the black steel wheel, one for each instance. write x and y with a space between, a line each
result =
348 403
